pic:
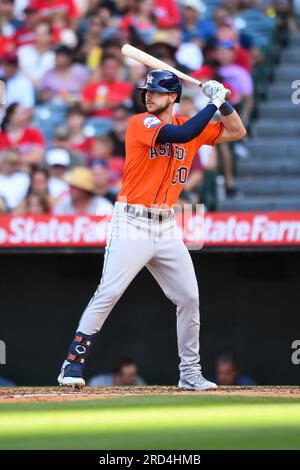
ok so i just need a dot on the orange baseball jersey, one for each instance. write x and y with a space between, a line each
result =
156 173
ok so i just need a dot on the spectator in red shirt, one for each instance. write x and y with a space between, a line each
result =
6 43
63 29
247 54
8 26
141 24
26 34
49 8
99 98
167 13
226 31
16 133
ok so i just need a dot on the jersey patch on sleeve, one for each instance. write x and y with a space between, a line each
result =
151 121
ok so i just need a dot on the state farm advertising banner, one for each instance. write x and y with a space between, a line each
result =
217 229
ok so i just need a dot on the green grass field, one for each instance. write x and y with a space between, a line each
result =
153 422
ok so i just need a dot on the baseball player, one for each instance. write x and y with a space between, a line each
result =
160 148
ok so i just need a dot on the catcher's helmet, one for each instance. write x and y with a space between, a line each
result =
161 81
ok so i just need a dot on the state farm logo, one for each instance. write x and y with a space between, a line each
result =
52 231
3 235
151 121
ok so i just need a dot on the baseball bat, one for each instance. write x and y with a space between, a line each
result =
155 63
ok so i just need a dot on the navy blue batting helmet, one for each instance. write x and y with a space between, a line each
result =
162 81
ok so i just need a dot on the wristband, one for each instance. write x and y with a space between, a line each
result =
226 109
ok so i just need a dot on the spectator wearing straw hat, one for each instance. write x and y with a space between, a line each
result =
82 199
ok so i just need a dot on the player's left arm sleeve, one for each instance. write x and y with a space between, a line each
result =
189 130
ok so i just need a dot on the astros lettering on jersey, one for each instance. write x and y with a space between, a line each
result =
155 174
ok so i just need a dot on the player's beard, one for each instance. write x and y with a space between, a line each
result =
160 109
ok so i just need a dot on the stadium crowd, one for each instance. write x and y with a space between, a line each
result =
70 92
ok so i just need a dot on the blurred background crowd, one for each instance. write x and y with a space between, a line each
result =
70 92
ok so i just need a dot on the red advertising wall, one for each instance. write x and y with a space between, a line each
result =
217 229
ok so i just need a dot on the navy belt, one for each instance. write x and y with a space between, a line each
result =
147 213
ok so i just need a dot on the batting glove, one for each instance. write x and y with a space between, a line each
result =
216 92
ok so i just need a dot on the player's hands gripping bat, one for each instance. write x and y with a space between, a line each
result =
155 63
215 91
